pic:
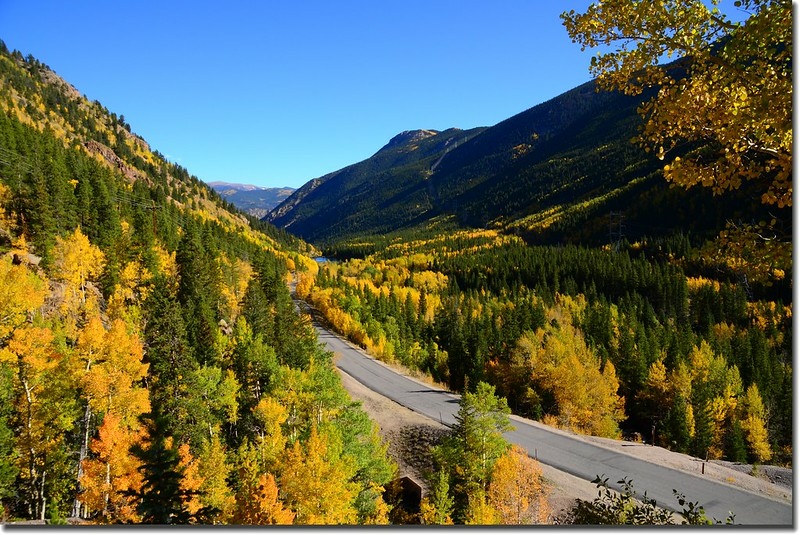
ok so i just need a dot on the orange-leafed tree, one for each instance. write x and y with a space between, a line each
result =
517 491
112 473
192 481
258 503
111 383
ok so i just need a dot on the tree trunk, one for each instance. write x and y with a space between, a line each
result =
87 416
43 496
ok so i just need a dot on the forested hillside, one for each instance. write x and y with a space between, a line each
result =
152 366
648 338
601 299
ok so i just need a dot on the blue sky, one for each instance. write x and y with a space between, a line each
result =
276 93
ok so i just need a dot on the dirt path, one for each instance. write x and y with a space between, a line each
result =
410 436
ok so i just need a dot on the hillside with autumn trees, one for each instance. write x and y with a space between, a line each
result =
152 365
154 368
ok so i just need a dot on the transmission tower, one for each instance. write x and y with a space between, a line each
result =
616 229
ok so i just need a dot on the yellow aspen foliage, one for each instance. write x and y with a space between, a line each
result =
305 281
235 276
76 262
753 423
717 388
261 505
43 385
113 383
90 343
112 472
166 262
270 416
481 512
517 491
192 481
681 380
21 293
316 482
213 469
562 363
428 516
735 93
380 509
129 292
730 98
657 387
6 218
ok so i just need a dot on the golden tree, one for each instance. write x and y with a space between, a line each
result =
733 92
585 395
76 262
44 390
258 503
517 490
753 424
21 293
481 512
721 117
316 481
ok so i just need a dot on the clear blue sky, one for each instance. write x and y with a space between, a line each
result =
276 93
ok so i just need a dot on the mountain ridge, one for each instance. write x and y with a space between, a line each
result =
552 173
255 200
444 180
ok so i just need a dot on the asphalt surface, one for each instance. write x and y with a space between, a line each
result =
559 450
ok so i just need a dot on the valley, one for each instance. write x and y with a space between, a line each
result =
598 286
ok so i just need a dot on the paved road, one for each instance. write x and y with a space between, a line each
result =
561 451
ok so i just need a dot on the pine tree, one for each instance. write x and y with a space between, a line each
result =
162 498
477 441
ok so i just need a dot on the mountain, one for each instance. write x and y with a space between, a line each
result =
552 173
379 194
254 200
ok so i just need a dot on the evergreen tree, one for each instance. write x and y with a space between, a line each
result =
169 356
161 500
477 441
